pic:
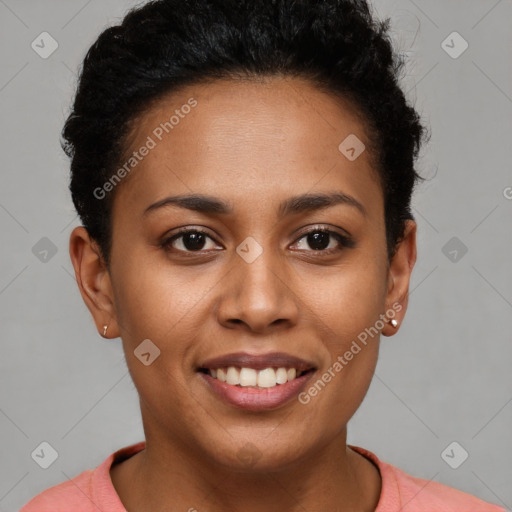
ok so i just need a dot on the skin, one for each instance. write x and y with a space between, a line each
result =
254 145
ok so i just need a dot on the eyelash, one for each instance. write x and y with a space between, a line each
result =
344 241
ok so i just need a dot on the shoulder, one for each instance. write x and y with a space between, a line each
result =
74 494
90 491
420 495
407 493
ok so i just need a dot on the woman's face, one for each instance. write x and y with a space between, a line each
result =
254 282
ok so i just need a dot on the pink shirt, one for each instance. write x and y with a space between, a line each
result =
92 491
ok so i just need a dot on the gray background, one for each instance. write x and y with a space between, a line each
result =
444 377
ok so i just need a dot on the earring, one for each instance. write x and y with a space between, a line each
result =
394 323
105 327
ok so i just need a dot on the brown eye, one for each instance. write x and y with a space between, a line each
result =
189 240
318 240
321 240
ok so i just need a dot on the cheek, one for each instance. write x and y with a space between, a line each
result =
348 299
157 303
347 307
158 300
346 311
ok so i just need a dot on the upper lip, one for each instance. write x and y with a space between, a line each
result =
258 361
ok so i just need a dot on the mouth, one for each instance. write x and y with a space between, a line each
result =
256 382
252 378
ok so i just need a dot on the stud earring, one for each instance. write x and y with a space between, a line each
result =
394 323
105 327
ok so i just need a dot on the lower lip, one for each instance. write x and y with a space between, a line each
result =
254 399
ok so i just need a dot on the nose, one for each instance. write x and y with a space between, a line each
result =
258 296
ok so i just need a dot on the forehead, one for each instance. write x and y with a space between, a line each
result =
232 137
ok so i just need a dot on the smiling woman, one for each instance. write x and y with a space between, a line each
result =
254 256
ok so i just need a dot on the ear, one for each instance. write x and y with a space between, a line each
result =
93 280
399 275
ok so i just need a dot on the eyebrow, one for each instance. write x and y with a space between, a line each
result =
293 205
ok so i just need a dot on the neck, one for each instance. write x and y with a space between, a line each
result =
333 477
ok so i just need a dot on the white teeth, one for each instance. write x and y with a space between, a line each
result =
266 378
221 374
233 376
248 377
281 376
